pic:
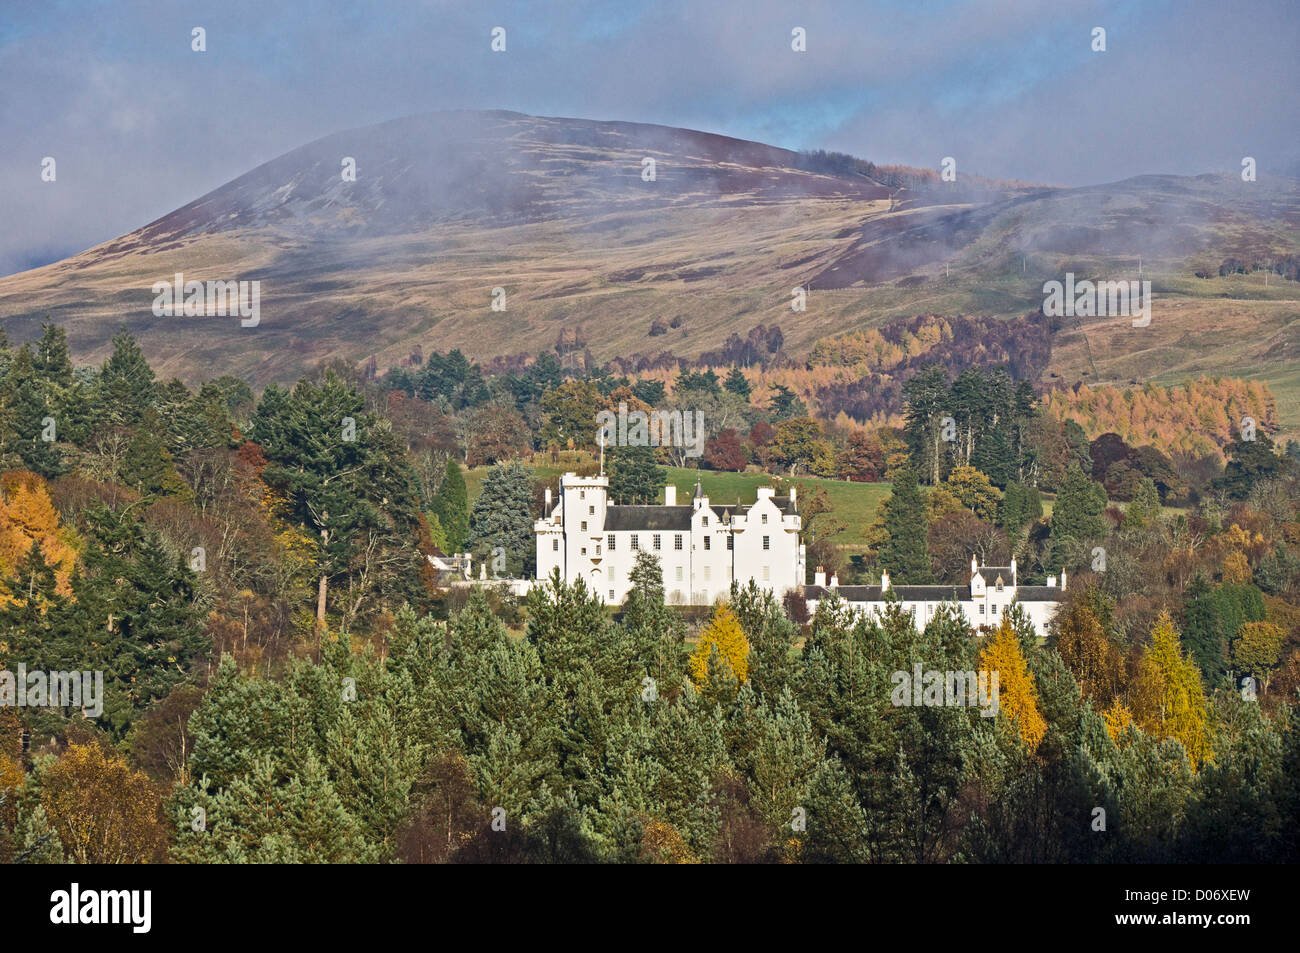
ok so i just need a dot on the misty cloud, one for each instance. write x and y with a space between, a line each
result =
141 125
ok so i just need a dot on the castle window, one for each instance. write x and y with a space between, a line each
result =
584 550
598 549
765 519
707 573
994 609
591 511
705 521
656 542
706 542
731 541
610 540
584 526
555 545
767 542
636 543
582 494
999 585
679 573
981 608
611 595
767 573
677 541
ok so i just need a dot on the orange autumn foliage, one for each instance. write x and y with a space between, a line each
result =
27 516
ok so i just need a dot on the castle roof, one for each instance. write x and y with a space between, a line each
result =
621 518
905 593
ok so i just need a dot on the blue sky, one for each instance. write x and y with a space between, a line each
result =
139 124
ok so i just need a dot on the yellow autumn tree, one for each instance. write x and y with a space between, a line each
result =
102 811
1117 718
1167 697
724 631
1236 568
1092 659
1017 697
27 516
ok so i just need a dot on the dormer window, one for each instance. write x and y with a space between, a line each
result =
999 584
704 521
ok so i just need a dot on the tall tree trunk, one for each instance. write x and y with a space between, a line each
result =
320 605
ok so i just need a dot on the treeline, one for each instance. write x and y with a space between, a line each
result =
1191 421
1287 266
593 739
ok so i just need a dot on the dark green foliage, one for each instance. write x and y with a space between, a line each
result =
634 476
905 553
451 508
501 524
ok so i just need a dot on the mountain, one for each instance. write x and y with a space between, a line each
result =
449 206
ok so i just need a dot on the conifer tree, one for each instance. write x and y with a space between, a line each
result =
724 636
1169 701
1017 695
634 476
449 505
501 518
905 553
126 385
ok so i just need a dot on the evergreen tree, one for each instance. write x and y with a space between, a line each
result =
1077 517
905 553
737 384
634 476
449 505
126 386
501 519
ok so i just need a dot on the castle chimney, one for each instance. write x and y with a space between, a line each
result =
1013 570
974 566
835 580
884 581
1051 582
670 495
547 511
1062 580
792 495
819 577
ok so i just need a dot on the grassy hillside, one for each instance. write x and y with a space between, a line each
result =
854 503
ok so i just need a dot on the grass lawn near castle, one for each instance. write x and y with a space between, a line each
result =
854 503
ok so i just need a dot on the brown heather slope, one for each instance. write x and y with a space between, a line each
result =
448 206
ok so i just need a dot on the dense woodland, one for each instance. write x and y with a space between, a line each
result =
287 680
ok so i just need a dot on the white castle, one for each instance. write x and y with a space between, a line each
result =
702 547
991 591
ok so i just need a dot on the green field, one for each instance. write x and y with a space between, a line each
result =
854 503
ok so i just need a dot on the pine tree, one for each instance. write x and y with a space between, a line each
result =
53 365
1145 508
634 476
905 553
451 508
126 386
737 384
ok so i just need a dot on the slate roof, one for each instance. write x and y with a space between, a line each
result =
905 593
929 593
622 518
1038 594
